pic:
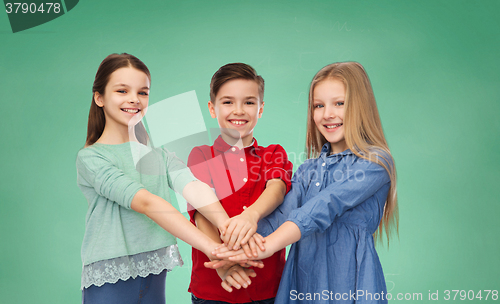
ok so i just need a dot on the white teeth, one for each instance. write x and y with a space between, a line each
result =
131 110
333 126
238 122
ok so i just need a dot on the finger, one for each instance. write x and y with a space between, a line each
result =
238 257
230 232
253 247
226 286
252 263
248 250
259 240
250 273
223 228
248 235
230 253
233 282
257 235
233 242
244 276
220 249
239 276
242 234
216 264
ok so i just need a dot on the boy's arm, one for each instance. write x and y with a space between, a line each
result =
231 273
207 227
278 176
246 222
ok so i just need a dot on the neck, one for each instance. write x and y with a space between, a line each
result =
117 135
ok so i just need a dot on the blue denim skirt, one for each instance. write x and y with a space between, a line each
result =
148 290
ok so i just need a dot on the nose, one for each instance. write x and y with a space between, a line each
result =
238 109
329 112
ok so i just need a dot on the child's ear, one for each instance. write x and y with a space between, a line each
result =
211 108
98 99
261 109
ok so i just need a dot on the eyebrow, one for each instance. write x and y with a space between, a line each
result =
126 85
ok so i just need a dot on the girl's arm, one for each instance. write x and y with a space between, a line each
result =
201 196
291 202
286 234
360 181
170 219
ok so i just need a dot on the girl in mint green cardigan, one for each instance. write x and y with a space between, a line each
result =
129 241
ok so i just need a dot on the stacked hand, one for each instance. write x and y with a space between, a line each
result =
238 234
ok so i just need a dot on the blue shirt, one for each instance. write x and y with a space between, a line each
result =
337 201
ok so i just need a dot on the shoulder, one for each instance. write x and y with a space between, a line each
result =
97 156
272 148
306 166
88 154
379 156
272 152
199 154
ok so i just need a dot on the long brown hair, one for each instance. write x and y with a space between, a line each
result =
362 130
97 120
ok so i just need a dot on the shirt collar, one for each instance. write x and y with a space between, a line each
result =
325 152
222 146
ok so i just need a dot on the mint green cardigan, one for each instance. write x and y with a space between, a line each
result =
109 177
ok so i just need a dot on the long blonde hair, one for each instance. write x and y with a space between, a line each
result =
362 130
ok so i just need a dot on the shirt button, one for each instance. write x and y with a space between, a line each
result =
323 164
245 179
233 149
317 184
242 159
244 207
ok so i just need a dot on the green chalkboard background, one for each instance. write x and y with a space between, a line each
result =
434 67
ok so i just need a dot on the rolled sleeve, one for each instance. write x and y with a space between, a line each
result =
278 166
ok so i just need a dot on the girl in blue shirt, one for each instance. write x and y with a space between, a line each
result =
339 200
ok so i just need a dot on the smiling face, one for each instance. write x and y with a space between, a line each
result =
328 104
125 98
237 107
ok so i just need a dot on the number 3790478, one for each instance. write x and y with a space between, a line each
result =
33 8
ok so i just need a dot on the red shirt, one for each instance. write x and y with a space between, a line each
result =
239 177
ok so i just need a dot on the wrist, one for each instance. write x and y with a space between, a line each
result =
252 214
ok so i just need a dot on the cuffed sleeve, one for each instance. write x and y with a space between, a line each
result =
278 166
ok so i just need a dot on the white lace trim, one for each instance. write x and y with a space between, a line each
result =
123 268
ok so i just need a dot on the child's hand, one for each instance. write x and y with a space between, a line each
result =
214 264
236 276
250 248
223 252
237 230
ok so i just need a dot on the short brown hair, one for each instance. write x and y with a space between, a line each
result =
232 71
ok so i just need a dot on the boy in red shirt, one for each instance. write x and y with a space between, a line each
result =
250 182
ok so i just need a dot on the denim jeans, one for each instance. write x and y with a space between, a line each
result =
196 300
148 290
